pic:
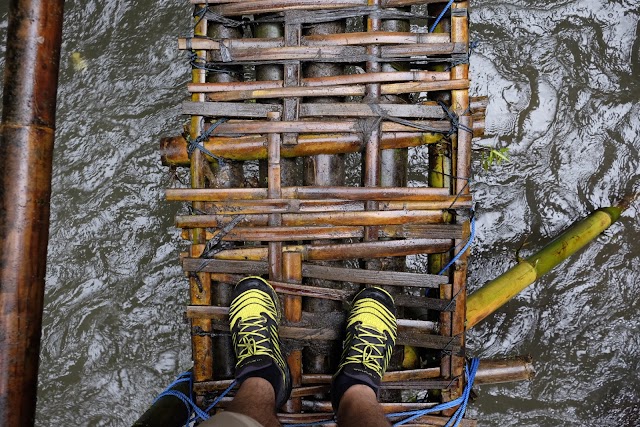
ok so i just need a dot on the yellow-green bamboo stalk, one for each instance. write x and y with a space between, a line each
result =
497 292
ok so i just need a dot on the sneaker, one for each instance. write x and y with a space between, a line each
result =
370 336
254 316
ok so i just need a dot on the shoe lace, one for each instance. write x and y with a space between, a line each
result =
369 349
252 337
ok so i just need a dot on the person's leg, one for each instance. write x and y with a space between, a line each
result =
261 370
359 406
370 336
256 399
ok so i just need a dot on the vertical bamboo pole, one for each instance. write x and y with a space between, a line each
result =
460 149
200 283
323 170
266 72
292 273
439 161
292 35
274 191
26 153
393 173
371 175
225 175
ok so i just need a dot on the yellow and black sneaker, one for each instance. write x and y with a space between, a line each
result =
254 316
370 336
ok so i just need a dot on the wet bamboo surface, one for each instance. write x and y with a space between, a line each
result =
285 96
26 155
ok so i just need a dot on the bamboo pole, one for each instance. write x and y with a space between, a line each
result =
267 206
418 194
398 231
224 271
394 173
339 252
339 39
499 291
323 169
174 150
339 90
460 163
269 6
26 153
323 327
316 109
330 52
505 370
233 127
321 81
292 273
318 219
225 174
199 283
490 371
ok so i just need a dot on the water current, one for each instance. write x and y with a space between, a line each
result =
564 82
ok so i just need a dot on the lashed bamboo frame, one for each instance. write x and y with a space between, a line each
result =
291 113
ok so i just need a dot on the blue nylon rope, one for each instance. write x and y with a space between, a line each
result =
464 249
470 373
188 401
439 18
461 402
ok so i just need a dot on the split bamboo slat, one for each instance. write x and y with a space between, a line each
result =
304 116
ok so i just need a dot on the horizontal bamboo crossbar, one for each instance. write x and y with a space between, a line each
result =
338 274
490 372
291 234
268 6
368 218
410 332
235 127
338 90
331 53
403 231
253 110
254 147
342 39
271 206
408 194
423 421
349 79
340 252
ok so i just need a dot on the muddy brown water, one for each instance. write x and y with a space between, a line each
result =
564 82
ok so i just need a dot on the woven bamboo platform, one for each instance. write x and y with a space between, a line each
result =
304 118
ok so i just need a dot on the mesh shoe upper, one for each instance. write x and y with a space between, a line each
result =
254 316
371 333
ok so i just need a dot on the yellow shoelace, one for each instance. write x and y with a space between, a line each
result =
251 338
369 354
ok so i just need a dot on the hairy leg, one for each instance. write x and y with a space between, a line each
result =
256 399
359 407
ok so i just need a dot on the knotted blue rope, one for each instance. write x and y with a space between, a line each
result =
439 18
192 408
454 421
462 401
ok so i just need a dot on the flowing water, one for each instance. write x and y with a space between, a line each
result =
564 82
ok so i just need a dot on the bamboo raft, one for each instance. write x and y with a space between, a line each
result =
285 97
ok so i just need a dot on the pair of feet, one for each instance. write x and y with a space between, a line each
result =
254 317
